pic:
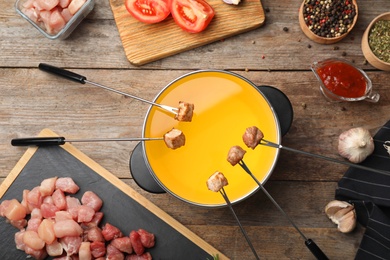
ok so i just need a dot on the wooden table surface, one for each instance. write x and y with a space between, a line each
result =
31 100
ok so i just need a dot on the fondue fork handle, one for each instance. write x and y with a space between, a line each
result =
224 195
310 244
82 79
63 73
358 166
51 141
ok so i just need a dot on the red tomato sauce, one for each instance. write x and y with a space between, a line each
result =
343 79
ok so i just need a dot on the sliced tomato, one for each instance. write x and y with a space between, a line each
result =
192 15
148 11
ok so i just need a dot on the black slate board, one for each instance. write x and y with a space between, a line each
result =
119 208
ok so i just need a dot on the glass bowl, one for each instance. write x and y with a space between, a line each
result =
84 10
340 80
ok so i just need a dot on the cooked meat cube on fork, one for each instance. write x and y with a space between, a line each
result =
216 182
185 112
235 155
252 137
174 138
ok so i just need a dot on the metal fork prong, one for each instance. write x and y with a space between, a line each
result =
268 143
243 165
168 108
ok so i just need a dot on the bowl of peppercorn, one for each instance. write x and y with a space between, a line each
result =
376 42
327 21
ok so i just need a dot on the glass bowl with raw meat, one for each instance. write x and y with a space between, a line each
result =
55 19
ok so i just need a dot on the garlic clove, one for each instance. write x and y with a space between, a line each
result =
232 2
356 144
335 205
342 214
348 222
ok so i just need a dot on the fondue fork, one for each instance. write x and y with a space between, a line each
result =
314 249
82 79
50 141
358 166
224 195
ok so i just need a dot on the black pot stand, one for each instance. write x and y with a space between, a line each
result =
281 105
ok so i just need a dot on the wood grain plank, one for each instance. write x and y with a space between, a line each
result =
38 100
31 100
7 182
23 46
144 43
272 234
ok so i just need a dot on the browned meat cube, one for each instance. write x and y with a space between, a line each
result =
174 138
216 182
235 155
252 137
185 112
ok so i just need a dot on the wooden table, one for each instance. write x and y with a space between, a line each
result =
270 55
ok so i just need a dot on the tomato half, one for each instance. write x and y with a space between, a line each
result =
148 11
192 15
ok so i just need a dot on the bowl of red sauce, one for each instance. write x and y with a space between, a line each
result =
340 80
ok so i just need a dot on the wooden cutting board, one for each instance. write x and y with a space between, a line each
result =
145 43
123 207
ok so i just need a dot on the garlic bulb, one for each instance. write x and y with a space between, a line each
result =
356 144
342 214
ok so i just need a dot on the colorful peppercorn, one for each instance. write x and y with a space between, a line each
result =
329 18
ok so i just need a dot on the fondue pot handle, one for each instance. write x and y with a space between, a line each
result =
62 72
38 141
316 251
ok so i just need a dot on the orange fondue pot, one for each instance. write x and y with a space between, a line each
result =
225 105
